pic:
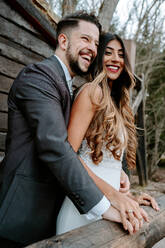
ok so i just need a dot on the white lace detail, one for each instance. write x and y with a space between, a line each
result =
109 170
108 159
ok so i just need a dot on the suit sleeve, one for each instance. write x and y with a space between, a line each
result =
39 100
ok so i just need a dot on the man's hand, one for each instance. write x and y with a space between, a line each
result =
128 208
124 182
113 214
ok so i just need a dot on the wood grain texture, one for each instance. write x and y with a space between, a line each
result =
9 67
3 102
35 13
18 53
20 36
2 141
104 234
1 156
5 83
9 13
3 121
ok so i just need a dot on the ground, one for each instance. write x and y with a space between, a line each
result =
155 187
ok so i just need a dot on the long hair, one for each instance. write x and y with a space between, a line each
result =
113 122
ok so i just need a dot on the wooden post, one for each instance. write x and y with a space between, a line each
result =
141 150
138 109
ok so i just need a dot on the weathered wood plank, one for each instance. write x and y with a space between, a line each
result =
3 102
105 234
40 15
5 83
11 14
3 121
141 150
9 67
1 156
2 141
24 38
18 53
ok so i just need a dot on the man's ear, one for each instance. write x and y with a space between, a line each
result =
63 41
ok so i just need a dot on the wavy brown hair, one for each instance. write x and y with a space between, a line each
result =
113 114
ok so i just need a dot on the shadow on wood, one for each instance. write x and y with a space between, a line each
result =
104 234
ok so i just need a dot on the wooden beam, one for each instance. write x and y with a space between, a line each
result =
141 162
11 14
3 102
2 141
9 68
1 156
21 53
3 122
21 37
34 12
105 234
5 83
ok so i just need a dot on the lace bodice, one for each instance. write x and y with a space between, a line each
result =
108 169
84 152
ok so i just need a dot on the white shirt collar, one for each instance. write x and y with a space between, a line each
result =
67 75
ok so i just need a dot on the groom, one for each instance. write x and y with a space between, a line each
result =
40 166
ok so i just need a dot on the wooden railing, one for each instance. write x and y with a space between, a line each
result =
105 234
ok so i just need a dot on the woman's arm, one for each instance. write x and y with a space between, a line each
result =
80 119
144 199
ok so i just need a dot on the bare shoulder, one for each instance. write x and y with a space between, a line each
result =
88 90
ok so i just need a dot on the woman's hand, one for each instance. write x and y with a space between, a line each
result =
113 214
129 209
145 199
124 182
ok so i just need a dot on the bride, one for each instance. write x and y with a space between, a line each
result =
102 127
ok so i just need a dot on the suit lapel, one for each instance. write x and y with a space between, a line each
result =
60 70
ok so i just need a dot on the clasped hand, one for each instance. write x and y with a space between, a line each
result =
126 211
125 207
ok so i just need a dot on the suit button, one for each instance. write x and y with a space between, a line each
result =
82 203
77 197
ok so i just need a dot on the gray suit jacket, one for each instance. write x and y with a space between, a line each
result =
40 166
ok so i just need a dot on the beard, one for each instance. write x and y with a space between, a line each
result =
73 63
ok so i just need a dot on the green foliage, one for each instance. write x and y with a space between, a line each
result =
145 25
155 112
150 63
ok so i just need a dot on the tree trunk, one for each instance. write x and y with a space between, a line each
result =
68 6
106 12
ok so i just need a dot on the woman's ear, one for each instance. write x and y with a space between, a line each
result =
63 41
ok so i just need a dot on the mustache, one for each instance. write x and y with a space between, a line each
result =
88 52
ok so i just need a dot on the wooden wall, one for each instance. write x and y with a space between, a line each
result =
20 44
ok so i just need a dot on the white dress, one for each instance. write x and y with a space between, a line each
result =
109 170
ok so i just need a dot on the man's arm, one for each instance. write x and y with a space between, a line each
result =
40 103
